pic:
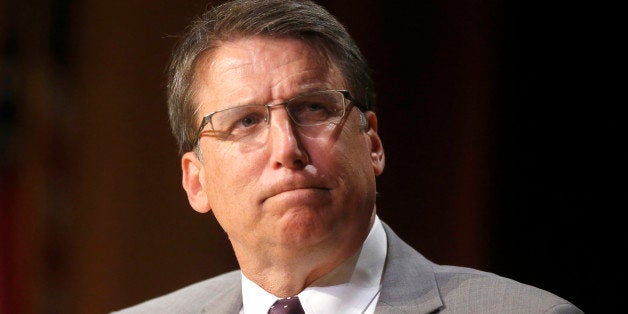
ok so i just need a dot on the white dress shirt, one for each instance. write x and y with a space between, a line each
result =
352 287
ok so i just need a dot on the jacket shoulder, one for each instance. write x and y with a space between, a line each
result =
413 284
470 290
190 299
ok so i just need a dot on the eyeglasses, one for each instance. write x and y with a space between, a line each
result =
248 123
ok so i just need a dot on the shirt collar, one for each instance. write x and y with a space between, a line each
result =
350 287
255 300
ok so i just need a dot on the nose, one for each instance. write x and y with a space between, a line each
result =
285 143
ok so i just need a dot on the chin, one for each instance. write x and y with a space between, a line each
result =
307 226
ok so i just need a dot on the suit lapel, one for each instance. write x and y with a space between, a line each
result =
408 281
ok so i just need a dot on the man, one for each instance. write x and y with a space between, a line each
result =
270 101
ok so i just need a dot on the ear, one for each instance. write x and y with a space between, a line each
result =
194 182
377 149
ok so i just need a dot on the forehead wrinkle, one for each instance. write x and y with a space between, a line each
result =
210 71
307 71
307 81
238 63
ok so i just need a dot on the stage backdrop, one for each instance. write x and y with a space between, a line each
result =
480 152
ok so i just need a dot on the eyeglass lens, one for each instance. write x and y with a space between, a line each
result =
248 124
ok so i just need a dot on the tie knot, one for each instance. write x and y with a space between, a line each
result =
290 305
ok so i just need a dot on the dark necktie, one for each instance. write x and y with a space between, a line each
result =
287 306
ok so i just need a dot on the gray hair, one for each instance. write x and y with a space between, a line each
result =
302 20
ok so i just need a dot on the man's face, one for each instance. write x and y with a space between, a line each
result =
296 192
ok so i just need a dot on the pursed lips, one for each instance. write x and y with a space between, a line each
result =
283 188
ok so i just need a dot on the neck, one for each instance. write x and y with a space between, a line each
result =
289 280
285 273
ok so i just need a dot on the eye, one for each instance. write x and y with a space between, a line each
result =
248 121
314 107
312 112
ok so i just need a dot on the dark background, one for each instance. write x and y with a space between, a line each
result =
496 136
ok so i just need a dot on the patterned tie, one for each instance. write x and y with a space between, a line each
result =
290 305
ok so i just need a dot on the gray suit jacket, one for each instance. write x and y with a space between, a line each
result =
410 284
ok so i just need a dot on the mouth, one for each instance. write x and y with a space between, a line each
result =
295 192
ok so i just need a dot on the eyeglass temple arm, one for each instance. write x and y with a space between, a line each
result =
348 96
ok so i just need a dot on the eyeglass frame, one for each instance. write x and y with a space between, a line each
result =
345 93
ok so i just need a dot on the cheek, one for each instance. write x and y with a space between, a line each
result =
231 181
354 150
357 158
347 159
229 174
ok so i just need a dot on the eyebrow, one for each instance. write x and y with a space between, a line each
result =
309 88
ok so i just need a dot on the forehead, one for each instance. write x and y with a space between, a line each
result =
261 69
